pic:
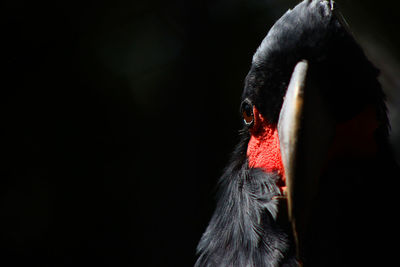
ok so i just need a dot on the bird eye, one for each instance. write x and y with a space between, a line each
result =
247 113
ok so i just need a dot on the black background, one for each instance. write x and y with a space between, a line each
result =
119 116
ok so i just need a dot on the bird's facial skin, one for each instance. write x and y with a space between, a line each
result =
263 150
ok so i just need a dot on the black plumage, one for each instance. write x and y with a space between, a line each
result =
350 225
313 32
243 230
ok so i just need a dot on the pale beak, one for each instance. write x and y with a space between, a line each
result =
305 130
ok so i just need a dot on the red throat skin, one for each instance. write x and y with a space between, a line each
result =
263 150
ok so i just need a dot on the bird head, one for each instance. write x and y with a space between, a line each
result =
310 98
313 115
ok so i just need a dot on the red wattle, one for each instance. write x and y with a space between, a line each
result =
263 150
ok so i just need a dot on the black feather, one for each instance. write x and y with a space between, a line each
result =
313 32
243 230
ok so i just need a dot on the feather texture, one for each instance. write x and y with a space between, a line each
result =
244 230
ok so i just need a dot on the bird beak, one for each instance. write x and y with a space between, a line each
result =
305 130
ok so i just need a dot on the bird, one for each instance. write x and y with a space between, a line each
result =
309 183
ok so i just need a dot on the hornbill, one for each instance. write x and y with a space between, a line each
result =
309 182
